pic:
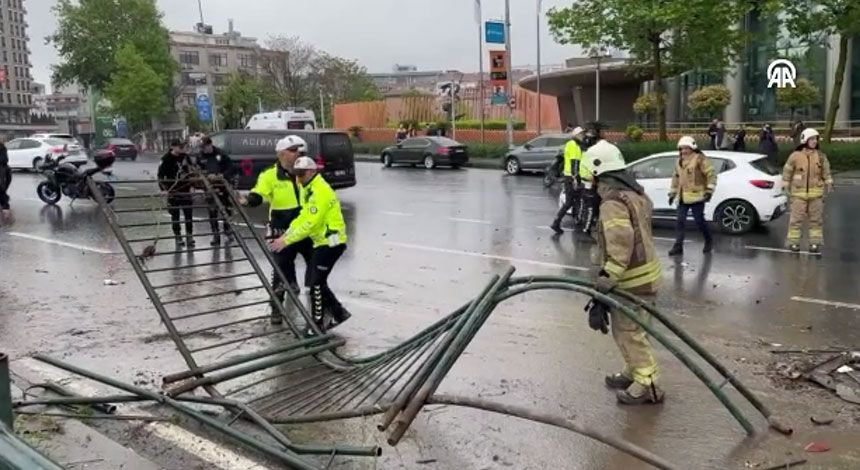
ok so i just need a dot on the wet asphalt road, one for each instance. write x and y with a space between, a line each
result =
424 242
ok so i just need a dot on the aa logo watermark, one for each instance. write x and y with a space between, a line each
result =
781 72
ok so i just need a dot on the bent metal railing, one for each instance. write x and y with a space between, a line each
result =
283 378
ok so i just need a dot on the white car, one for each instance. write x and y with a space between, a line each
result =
28 153
67 137
749 189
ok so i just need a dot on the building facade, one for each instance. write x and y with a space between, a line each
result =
15 79
206 62
40 98
71 107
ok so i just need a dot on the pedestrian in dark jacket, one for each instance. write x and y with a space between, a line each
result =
740 144
767 143
712 135
173 173
5 181
223 175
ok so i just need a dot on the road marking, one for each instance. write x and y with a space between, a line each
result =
543 198
781 250
485 255
668 239
59 243
126 188
198 446
826 302
399 214
471 221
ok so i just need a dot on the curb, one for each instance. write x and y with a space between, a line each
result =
480 163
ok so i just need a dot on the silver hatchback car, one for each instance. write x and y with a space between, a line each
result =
536 154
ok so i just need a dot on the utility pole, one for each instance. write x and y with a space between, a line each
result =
509 90
539 2
322 109
200 9
479 20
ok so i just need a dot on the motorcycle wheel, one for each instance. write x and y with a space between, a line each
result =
549 179
107 192
48 193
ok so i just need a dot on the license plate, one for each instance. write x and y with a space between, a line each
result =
340 173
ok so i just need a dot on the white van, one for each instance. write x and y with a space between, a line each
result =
290 119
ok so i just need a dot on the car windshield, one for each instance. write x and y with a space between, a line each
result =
765 166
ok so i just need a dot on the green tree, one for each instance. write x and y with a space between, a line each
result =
803 95
814 20
646 105
238 100
135 90
294 74
663 37
711 99
90 33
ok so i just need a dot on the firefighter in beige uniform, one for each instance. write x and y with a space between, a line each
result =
807 180
628 261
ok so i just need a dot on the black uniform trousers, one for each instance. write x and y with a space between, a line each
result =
175 204
322 298
286 262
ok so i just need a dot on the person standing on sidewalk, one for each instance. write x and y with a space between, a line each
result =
807 179
628 261
321 221
693 184
570 176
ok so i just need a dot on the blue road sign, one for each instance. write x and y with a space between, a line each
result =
494 32
204 108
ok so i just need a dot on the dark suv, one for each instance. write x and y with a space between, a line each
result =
254 151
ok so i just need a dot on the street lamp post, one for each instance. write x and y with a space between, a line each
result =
509 88
539 2
597 53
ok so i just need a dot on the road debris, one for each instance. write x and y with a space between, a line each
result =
816 447
822 420
110 282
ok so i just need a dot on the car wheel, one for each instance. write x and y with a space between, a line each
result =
512 166
455 166
736 217
133 158
429 162
37 162
386 160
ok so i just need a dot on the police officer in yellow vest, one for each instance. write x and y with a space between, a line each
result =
279 187
693 184
628 261
807 179
320 221
570 172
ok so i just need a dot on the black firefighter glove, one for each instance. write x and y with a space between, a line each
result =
598 316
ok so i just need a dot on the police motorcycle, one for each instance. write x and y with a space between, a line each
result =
67 179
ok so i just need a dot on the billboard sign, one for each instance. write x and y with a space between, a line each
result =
498 78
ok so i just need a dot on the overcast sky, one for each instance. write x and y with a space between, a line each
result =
431 34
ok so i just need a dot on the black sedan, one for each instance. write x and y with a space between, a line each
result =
428 151
120 148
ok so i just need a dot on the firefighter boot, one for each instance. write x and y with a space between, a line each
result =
638 394
618 381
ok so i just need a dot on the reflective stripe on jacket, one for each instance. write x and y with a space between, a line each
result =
572 158
694 176
806 173
278 188
320 218
626 245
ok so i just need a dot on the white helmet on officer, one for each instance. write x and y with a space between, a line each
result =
604 157
577 132
806 135
293 143
687 141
